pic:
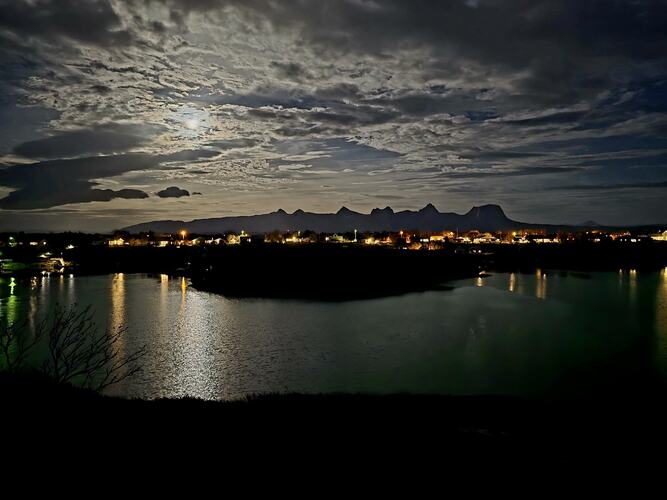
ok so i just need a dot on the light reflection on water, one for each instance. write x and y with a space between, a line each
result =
540 284
661 322
117 317
498 334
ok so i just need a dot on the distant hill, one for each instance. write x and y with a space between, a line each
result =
589 223
483 218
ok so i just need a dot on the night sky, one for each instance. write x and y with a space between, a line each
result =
118 112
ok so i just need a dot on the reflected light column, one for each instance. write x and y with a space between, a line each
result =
540 284
184 290
633 286
117 314
164 292
661 322
11 306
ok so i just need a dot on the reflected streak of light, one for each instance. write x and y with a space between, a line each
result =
661 322
541 285
32 311
118 313
71 295
164 295
512 282
117 318
11 309
61 289
184 289
479 282
195 346
633 285
43 288
11 304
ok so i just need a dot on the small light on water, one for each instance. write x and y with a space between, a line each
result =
12 285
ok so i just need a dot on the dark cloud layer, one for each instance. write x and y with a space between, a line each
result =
76 192
98 140
92 21
58 182
557 43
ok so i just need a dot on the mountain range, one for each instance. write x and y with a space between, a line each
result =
483 218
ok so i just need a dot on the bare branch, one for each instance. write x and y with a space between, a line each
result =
76 352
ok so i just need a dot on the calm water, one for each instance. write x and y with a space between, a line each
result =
523 334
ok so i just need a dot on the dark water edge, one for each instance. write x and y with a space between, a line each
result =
341 272
350 273
481 431
335 273
328 273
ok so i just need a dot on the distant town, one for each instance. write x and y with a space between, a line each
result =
57 252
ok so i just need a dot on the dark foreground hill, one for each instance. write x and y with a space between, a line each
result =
483 218
350 430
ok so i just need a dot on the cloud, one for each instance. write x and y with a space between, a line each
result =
93 21
58 182
550 42
291 70
111 138
612 187
173 192
77 192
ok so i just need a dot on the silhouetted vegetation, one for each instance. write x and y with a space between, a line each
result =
67 347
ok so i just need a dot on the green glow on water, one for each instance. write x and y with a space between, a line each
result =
527 334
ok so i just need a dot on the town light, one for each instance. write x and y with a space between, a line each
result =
183 234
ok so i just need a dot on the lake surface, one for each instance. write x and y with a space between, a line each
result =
538 334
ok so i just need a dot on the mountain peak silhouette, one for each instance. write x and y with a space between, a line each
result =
484 218
345 211
382 211
429 209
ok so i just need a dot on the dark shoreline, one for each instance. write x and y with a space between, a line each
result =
327 273
486 428
351 272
